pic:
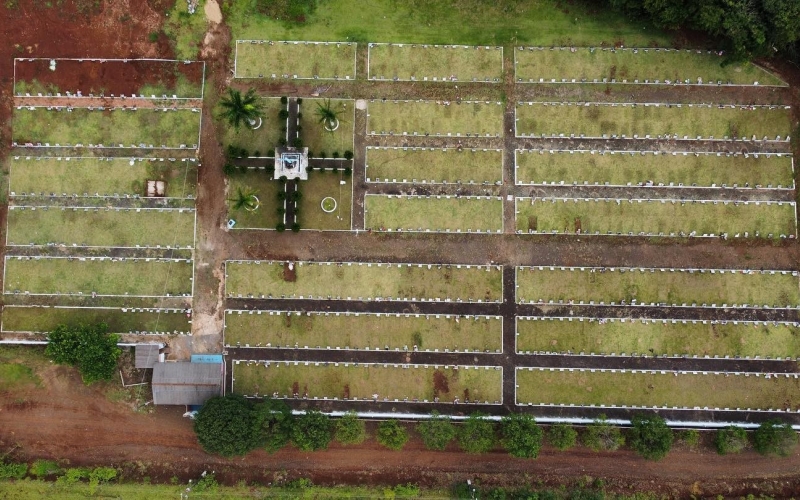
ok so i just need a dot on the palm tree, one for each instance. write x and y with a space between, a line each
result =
245 199
328 115
237 108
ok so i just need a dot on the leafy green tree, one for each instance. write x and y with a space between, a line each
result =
226 425
312 431
350 429
238 108
602 436
476 434
522 436
774 437
273 422
392 435
90 348
436 432
650 436
328 114
730 440
562 436
245 199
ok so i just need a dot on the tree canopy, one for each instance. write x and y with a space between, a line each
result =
226 425
89 348
350 429
392 435
562 436
437 432
650 436
774 437
238 108
522 436
602 436
312 431
730 440
476 434
273 421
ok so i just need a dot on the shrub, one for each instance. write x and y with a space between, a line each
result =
226 425
281 227
476 434
348 171
274 422
522 437
602 436
243 169
256 153
730 440
283 179
650 436
392 435
295 227
690 437
43 468
348 155
91 349
282 141
283 114
322 154
271 152
296 196
299 100
232 151
153 36
335 155
299 115
73 475
312 431
774 437
562 436
229 169
297 142
284 99
12 470
437 432
350 429
281 210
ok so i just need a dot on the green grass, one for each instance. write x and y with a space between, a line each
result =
371 331
260 140
625 64
691 121
16 376
412 213
657 337
583 387
109 128
266 189
186 30
406 62
434 165
656 286
103 177
130 277
335 380
100 227
435 118
319 140
296 59
667 217
368 281
41 320
702 169
472 22
320 185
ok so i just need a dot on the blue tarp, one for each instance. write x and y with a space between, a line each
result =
206 358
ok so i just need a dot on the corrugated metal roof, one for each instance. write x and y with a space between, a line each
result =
186 383
146 355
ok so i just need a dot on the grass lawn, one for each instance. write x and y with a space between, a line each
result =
439 213
370 331
670 337
443 22
103 177
266 189
45 319
435 118
434 165
676 287
101 227
363 281
691 121
134 277
110 128
316 138
622 168
435 62
634 64
186 30
335 380
260 140
321 185
667 217
584 387
266 59
15 376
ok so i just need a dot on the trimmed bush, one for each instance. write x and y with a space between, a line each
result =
730 440
775 437
392 435
350 429
650 436
522 436
602 436
476 434
562 436
437 432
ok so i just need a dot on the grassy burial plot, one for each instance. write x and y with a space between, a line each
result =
317 211
101 275
266 189
442 118
656 217
428 332
676 287
111 128
686 121
434 165
622 168
268 59
363 381
659 388
257 142
100 176
433 213
320 141
45 319
602 65
657 337
96 227
365 281
435 63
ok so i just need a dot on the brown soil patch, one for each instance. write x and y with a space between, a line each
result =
440 384
577 225
346 392
290 272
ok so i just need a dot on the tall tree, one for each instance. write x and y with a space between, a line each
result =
392 435
436 432
90 348
273 421
522 437
650 436
226 425
476 434
328 114
238 108
312 431
245 199
774 437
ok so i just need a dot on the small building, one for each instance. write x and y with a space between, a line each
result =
147 355
187 383
291 163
